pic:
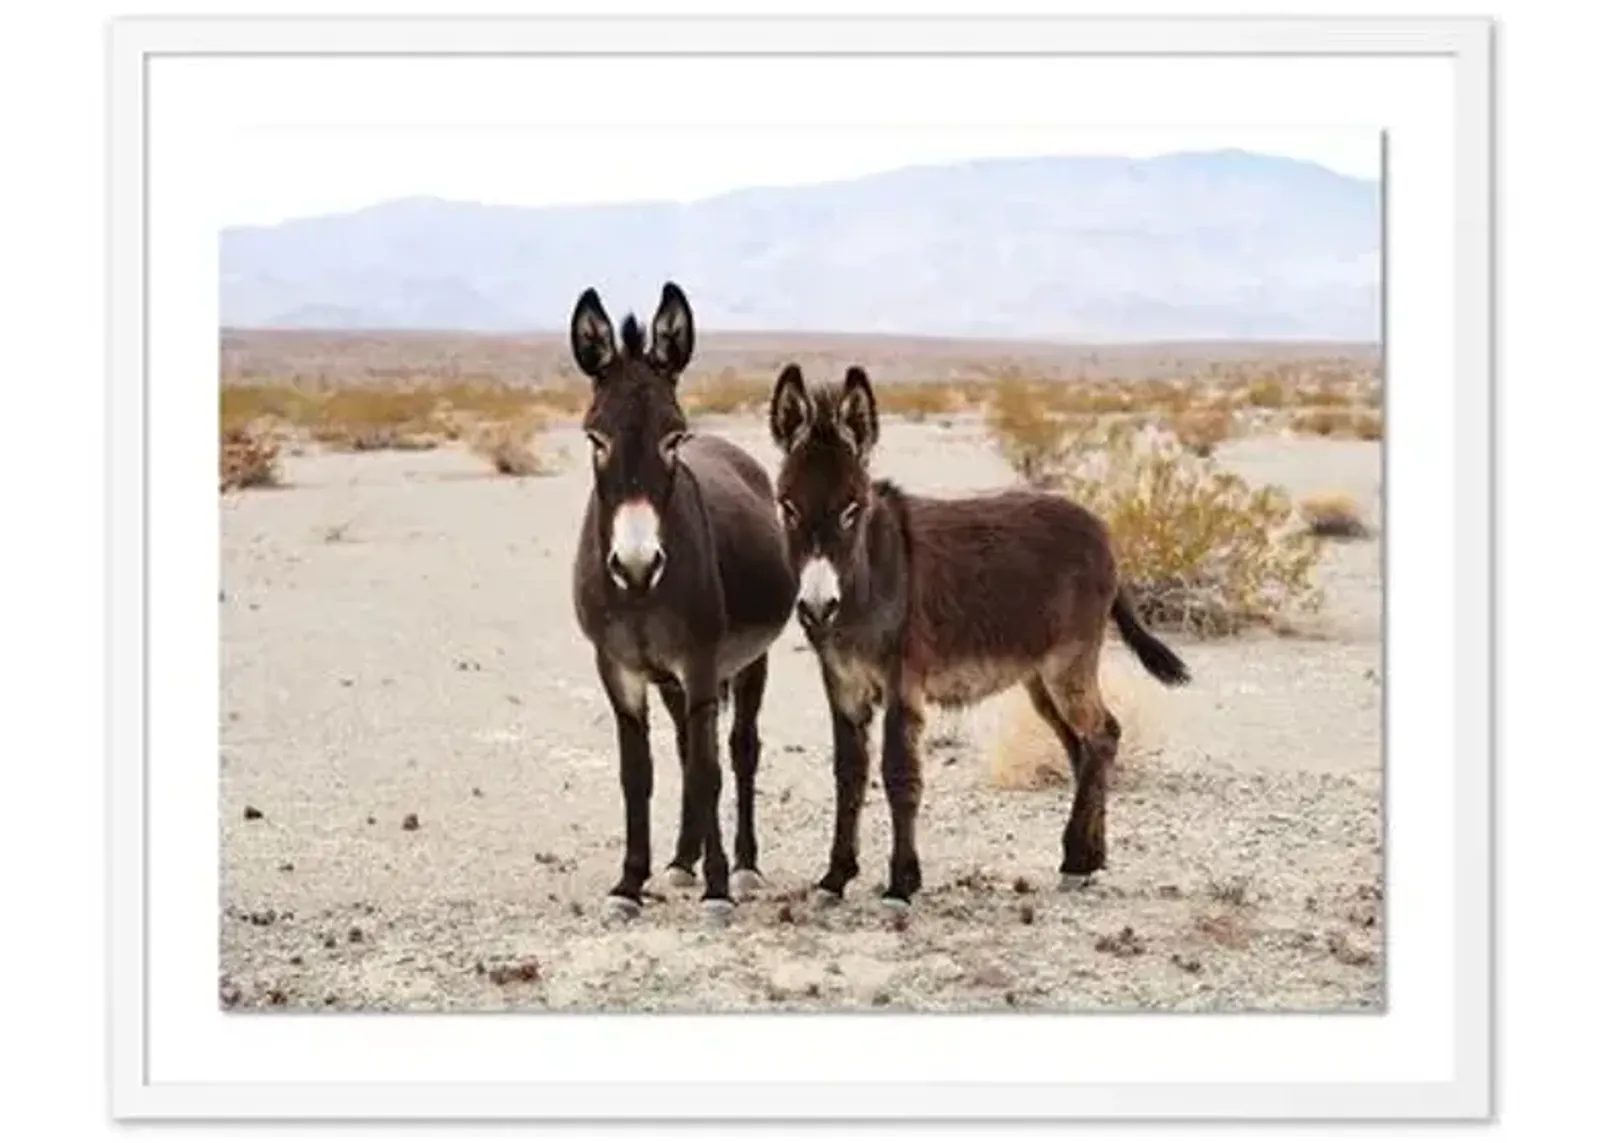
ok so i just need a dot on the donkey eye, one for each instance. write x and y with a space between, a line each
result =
848 516
669 445
602 447
791 514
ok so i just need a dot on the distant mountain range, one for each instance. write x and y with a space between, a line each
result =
1224 244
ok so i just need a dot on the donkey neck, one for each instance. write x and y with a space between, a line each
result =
873 607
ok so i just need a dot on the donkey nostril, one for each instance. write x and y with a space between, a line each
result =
633 577
818 612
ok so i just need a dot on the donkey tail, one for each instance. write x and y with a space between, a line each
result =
1159 659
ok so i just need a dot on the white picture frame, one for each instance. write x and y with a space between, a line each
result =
1453 1074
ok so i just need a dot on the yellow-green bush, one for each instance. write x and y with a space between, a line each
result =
1199 549
1034 437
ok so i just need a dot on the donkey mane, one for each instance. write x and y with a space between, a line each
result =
632 337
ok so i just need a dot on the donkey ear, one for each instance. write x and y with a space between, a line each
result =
672 330
594 342
858 411
790 413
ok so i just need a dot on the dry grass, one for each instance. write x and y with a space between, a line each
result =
1027 755
511 447
1326 397
917 401
242 406
248 458
1340 422
368 417
1334 515
367 420
725 394
1201 431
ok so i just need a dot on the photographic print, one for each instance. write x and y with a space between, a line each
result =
794 541
726 566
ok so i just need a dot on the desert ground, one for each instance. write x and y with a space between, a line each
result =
419 804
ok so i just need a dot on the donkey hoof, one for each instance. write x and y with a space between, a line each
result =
745 883
827 898
678 877
894 905
1072 882
618 908
717 911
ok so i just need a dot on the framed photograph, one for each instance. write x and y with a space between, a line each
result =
800 568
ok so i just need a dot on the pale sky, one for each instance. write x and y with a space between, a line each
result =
307 135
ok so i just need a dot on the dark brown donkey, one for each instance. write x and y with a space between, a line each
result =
910 600
681 581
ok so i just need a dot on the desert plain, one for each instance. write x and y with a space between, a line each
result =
419 806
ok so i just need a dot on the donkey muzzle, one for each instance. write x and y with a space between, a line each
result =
818 601
815 616
636 559
637 575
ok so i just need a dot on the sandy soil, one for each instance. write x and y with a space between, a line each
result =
397 640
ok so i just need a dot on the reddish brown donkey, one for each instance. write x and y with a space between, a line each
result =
910 600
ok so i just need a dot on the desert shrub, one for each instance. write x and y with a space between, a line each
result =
484 401
1200 550
568 399
1201 431
1334 516
917 401
510 446
367 419
248 458
242 406
1091 399
1324 396
1034 438
726 393
1265 393
1341 422
1172 396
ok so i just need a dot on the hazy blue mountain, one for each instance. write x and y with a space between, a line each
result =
1221 244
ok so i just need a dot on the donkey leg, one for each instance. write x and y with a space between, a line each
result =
850 762
1045 707
680 870
703 782
902 782
1091 734
627 694
744 748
